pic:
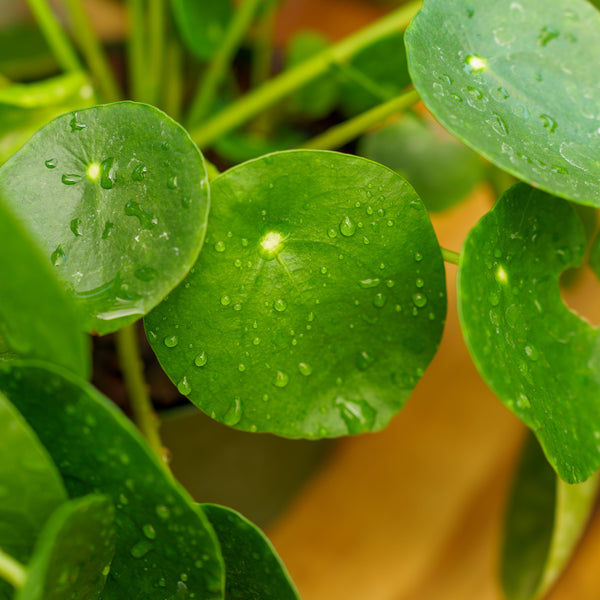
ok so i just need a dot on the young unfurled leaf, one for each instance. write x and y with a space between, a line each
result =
317 304
252 568
514 82
73 553
544 522
165 547
47 329
540 359
117 197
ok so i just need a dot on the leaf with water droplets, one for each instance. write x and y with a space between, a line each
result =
117 198
48 330
335 331
159 531
73 552
252 567
540 358
514 82
30 487
202 25
543 523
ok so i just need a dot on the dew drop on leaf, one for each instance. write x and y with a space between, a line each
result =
201 359
305 369
51 163
281 379
419 300
358 415
379 300
149 531
171 341
141 548
280 305
184 387
71 178
347 227
234 413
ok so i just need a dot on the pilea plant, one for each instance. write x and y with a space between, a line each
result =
300 292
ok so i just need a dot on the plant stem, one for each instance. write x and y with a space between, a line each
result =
58 41
132 368
93 52
173 86
12 571
219 65
156 14
263 47
136 50
341 134
450 256
277 88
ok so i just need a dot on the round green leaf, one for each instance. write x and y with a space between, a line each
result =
117 196
540 359
514 82
165 547
30 487
48 330
73 553
202 25
317 304
253 570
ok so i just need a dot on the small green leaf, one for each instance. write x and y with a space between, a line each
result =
253 570
202 25
441 169
48 330
540 359
30 487
514 82
164 545
73 553
317 303
117 196
544 522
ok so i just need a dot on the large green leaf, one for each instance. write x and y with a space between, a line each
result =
514 82
541 359
46 329
317 303
117 196
441 169
165 547
202 25
73 553
253 571
30 487
544 522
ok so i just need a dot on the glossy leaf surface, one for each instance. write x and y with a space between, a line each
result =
536 355
202 25
117 196
30 487
440 168
73 553
544 522
37 318
253 570
514 82
317 303
165 547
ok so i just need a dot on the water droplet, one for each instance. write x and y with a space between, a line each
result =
58 257
149 531
281 379
305 369
331 233
146 218
71 178
502 93
184 387
419 283
171 341
51 163
186 202
532 352
234 413
201 359
163 512
108 227
75 125
173 182
494 299
141 549
323 270
162 582
369 283
146 273
419 300
498 124
139 172
379 300
225 300
256 341
280 305
347 226
358 415
390 223
241 367
107 173
165 145
546 35
549 123
219 247
559 170
523 401
364 360
76 228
